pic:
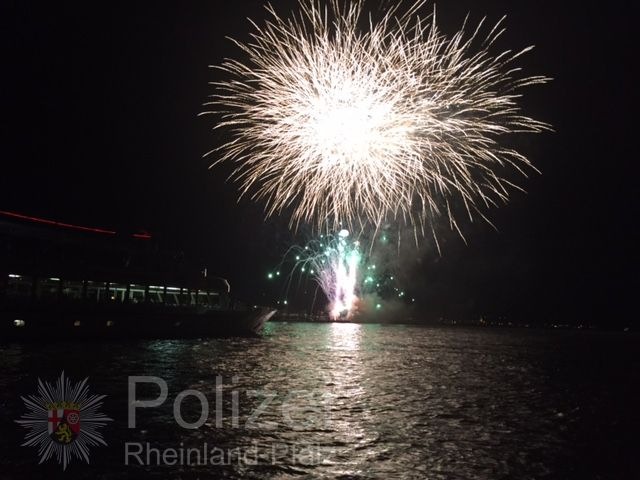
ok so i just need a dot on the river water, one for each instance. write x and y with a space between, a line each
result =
345 401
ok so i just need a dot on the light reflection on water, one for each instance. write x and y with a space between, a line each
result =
345 336
371 401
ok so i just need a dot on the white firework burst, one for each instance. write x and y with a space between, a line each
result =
342 119
37 420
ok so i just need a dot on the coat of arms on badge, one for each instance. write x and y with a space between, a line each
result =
63 420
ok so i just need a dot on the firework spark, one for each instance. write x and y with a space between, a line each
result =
352 281
334 262
340 124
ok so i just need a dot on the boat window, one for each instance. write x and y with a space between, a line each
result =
96 291
18 286
184 296
136 293
72 290
49 288
173 296
191 298
203 298
117 292
156 294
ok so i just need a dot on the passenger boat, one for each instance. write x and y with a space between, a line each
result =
52 308
61 281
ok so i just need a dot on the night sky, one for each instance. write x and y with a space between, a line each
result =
100 127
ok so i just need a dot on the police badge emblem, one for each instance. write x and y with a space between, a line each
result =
63 420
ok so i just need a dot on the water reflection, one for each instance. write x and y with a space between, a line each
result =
345 336
350 417
402 402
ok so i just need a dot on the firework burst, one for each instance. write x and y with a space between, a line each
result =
339 118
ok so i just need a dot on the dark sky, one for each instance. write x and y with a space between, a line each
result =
100 127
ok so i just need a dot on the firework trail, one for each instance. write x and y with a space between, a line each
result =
342 273
343 125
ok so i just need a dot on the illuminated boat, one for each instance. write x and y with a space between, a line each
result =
61 281
54 308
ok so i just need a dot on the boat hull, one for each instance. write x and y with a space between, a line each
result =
61 324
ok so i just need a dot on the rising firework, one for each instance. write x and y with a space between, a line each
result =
350 279
334 262
339 124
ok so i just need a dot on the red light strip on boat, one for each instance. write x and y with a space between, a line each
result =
44 221
57 224
142 236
